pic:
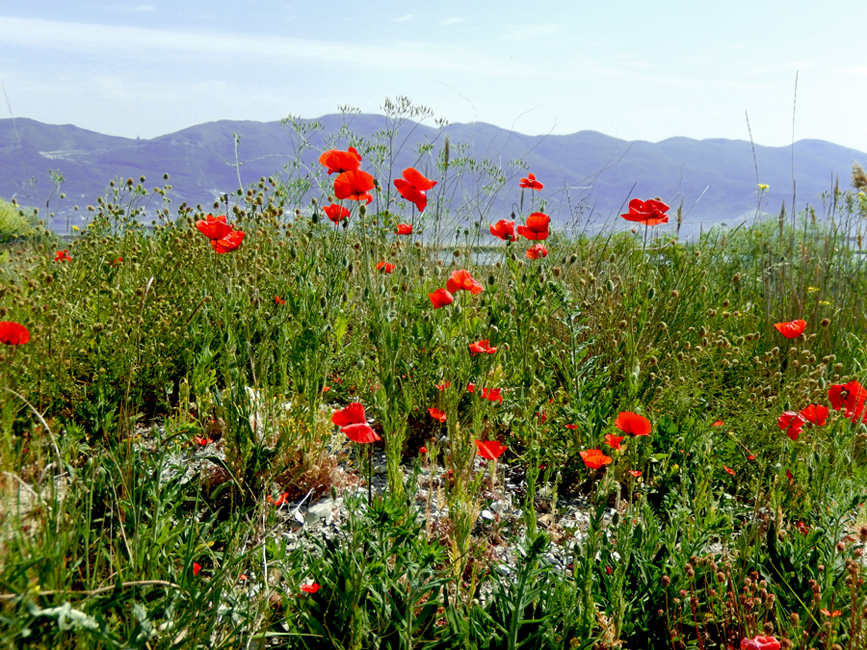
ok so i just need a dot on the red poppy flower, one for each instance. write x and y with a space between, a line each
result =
492 394
214 227
411 194
635 472
536 227
360 433
531 183
444 385
792 329
202 441
815 414
279 501
632 424
503 229
729 470
650 212
614 441
718 423
802 527
12 333
541 415
490 449
572 427
441 298
336 213
792 423
341 161
482 347
62 256
461 279
594 458
228 243
354 185
351 414
836 612
279 301
310 589
850 396
385 267
196 568
536 251
404 229
436 414
422 450
413 187
119 260
471 388
760 643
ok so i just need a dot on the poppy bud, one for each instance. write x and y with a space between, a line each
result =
362 209
651 294
492 280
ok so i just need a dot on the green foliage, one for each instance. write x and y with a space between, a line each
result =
17 223
242 357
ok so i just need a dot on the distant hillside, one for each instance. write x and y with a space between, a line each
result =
589 176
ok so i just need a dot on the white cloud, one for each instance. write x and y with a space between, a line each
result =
138 43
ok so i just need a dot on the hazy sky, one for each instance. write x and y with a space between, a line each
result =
630 69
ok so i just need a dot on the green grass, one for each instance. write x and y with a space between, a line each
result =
730 531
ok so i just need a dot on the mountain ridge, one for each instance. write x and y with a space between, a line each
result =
586 171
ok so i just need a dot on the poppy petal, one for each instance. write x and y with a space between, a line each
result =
360 433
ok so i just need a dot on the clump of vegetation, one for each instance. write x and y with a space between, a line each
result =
168 389
17 223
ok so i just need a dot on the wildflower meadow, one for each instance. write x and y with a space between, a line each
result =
183 387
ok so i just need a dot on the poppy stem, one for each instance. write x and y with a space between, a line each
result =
369 473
